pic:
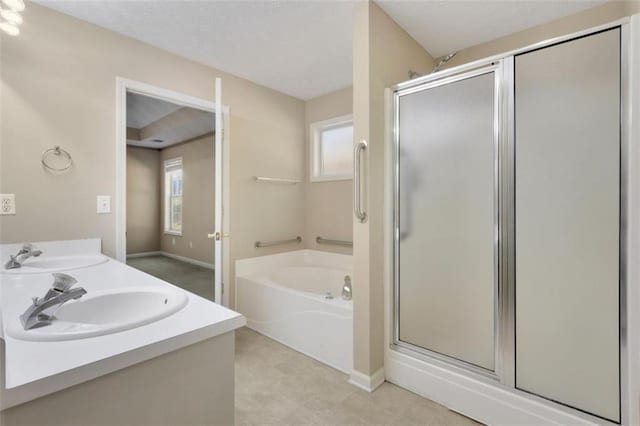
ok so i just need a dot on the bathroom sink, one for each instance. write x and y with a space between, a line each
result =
38 265
105 312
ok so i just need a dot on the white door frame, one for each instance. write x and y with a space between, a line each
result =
123 86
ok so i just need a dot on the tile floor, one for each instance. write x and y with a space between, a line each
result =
193 278
276 385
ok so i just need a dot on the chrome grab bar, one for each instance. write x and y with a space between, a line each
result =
357 202
321 240
259 244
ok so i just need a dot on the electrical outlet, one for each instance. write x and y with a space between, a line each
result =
7 204
173 240
190 244
104 204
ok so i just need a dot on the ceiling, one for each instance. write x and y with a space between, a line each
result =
304 48
144 110
445 26
301 48
154 123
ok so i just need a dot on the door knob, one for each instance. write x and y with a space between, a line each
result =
218 236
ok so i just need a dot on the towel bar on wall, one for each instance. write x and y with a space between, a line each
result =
276 180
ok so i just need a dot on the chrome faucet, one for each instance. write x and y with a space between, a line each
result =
347 291
42 311
27 251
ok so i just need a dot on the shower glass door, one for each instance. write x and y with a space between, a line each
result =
567 199
446 204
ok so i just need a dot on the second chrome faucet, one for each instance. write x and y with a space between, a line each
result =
27 251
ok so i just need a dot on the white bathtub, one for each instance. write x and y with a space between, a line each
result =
283 297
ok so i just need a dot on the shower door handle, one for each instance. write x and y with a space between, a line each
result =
357 186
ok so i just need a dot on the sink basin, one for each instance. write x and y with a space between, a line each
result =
105 312
39 265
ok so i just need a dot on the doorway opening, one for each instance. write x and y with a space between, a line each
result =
169 204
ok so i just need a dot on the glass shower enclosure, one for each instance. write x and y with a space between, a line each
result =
508 192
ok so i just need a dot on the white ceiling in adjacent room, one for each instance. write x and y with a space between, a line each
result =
445 26
154 123
144 110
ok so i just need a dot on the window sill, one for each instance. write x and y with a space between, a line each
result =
174 233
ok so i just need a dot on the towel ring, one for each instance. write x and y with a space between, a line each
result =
56 150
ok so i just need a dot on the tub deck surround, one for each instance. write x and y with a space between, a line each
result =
283 297
306 257
33 367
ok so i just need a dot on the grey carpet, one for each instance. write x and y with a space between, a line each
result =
193 278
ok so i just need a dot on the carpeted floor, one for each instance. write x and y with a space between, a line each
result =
193 278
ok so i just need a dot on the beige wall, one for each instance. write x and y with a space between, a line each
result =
383 55
143 200
198 200
608 12
145 212
328 205
265 211
58 87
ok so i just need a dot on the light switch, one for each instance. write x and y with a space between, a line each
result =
104 204
7 204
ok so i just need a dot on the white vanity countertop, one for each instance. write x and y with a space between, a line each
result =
27 362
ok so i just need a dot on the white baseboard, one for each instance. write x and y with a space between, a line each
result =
367 383
144 254
483 401
189 260
172 256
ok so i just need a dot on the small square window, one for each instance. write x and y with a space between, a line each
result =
331 149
